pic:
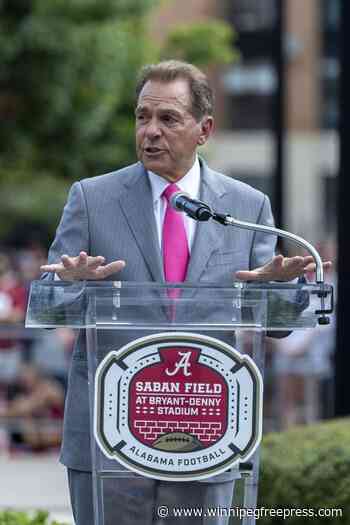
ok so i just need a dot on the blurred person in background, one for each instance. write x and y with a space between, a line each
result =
36 410
13 301
32 393
52 352
29 262
303 365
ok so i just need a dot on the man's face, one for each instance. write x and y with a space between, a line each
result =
167 134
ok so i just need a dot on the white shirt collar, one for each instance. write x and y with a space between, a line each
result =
189 182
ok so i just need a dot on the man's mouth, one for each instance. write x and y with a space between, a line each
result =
152 150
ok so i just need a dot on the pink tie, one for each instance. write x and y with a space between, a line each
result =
175 247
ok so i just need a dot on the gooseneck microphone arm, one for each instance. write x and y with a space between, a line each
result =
199 210
227 220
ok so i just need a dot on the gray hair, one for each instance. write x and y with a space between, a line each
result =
202 96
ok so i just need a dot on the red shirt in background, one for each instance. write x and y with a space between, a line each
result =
13 297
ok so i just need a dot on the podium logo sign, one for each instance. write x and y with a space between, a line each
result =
178 406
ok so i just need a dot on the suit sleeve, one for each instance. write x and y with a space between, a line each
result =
264 244
72 235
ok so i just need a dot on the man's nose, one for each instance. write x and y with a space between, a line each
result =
153 129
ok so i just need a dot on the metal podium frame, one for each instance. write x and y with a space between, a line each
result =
114 314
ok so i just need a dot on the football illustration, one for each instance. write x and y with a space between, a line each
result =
177 442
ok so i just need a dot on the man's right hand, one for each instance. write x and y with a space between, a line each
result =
83 267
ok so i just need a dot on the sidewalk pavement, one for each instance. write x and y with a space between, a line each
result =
35 482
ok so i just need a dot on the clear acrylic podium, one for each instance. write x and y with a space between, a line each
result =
115 315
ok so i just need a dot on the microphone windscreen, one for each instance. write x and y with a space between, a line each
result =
176 197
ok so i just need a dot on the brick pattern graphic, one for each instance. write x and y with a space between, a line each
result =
207 433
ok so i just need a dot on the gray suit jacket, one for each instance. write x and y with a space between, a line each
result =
112 215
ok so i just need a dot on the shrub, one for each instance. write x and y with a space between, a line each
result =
307 468
9 517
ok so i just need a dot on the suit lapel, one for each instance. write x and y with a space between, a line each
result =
137 206
206 239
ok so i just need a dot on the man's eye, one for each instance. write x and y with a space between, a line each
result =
169 119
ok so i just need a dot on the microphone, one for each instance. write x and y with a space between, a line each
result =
197 210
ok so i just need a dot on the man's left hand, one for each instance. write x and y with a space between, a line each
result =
281 269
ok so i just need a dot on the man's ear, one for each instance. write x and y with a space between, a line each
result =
207 126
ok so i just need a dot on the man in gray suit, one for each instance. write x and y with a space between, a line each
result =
112 224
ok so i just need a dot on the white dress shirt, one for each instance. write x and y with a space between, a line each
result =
189 184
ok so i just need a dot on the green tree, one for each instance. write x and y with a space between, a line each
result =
65 84
203 43
65 66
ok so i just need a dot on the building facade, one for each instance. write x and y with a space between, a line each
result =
244 144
